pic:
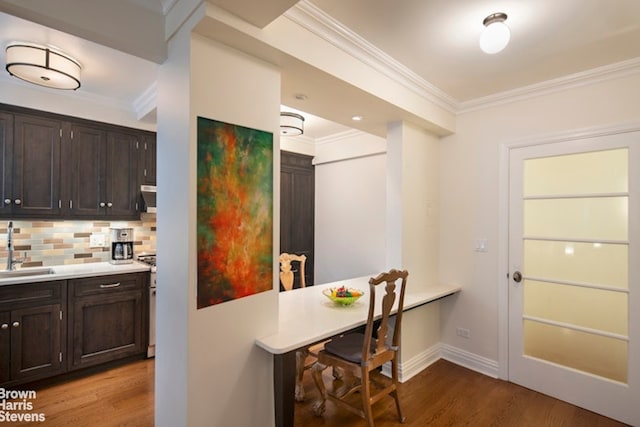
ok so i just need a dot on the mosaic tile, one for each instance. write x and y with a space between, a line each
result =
67 242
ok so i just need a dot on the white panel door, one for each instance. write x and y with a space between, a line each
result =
574 291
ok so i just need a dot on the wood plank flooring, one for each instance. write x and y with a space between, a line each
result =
444 394
122 396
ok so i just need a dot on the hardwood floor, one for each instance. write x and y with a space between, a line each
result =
444 394
122 396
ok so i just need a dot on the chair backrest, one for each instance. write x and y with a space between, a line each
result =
287 273
392 291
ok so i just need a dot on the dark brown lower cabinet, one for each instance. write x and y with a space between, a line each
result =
107 318
5 347
50 328
31 331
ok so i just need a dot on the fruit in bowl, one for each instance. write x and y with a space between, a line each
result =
342 295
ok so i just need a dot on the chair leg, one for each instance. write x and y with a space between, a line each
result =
316 373
366 397
300 360
394 375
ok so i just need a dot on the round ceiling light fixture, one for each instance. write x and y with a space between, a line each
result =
291 124
496 34
43 66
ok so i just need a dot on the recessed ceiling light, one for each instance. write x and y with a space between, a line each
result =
301 96
357 118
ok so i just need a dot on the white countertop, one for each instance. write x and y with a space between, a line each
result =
72 271
306 316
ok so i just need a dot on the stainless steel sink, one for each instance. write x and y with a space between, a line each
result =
23 272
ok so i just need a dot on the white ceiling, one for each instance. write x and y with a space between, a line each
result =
438 39
435 41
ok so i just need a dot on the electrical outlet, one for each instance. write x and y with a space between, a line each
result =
97 240
464 333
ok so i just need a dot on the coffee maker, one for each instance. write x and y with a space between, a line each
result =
121 246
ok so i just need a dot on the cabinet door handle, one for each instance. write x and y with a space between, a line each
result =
102 204
5 326
16 324
17 201
113 285
109 204
7 201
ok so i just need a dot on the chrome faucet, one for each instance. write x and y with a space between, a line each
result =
11 262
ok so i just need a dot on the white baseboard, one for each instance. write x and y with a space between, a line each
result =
469 360
418 363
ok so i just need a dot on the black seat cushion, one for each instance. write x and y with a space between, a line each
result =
348 347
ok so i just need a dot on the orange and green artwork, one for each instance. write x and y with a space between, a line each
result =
235 214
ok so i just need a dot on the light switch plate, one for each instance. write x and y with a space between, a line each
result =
97 240
481 245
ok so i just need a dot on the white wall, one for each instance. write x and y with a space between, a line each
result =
413 235
470 185
228 373
75 104
172 299
377 210
350 218
209 372
350 207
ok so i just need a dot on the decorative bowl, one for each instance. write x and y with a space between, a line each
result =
342 295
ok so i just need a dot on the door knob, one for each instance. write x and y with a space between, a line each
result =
5 326
17 201
517 277
16 324
7 201
102 204
109 204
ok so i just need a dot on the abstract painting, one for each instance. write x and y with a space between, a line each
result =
235 212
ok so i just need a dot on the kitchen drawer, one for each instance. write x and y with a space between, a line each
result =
107 284
28 294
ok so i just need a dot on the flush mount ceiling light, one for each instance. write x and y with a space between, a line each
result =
291 124
43 66
495 36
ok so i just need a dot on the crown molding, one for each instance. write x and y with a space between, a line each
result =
324 26
571 81
147 101
347 134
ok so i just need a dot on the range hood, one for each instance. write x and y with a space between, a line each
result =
148 198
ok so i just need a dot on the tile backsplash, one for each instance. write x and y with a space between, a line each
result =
49 243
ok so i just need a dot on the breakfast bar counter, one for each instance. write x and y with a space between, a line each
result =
322 319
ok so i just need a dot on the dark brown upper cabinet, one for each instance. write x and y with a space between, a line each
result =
103 173
149 158
6 162
122 185
55 166
31 166
87 149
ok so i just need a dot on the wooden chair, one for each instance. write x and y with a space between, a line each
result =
287 279
359 354
287 274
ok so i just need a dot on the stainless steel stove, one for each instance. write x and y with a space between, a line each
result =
150 259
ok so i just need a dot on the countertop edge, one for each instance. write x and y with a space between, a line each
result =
77 271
